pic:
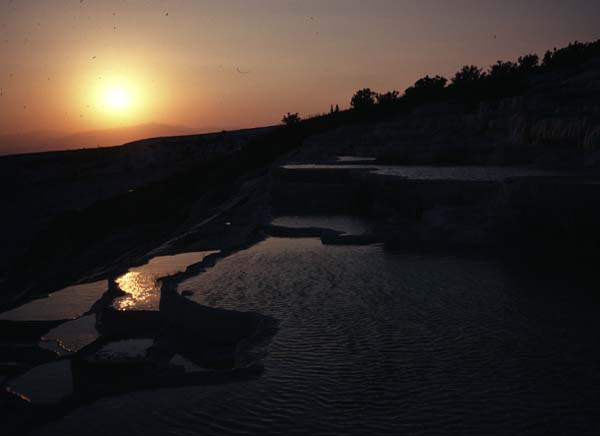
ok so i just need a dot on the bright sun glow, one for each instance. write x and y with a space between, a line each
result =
106 99
117 99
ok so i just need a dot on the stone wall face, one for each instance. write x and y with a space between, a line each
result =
542 215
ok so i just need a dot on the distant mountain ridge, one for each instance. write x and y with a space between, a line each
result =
32 142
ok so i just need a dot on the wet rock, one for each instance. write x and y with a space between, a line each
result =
327 236
16 357
344 230
16 412
331 237
347 224
186 364
53 347
73 335
25 331
129 323
11 368
208 355
107 368
294 232
108 354
123 350
212 325
47 384
113 286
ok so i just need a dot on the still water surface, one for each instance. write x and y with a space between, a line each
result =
350 225
68 303
141 285
464 173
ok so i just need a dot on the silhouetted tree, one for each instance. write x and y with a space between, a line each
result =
364 98
437 82
337 108
291 119
467 75
388 98
505 79
469 85
528 63
503 70
426 89
575 54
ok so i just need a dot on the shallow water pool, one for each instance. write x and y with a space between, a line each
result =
68 303
141 283
347 224
464 173
378 343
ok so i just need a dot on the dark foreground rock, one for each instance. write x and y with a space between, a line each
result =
214 325
327 236
20 331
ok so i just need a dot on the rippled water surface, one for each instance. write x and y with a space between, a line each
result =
378 343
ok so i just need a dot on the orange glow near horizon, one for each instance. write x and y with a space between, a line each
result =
119 99
74 66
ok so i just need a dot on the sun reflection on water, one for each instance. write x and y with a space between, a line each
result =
141 288
141 284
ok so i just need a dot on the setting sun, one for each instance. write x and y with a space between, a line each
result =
117 99
109 99
299 217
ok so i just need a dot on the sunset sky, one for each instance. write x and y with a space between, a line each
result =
74 65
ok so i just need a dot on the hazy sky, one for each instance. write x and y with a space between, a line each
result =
75 65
